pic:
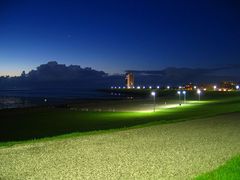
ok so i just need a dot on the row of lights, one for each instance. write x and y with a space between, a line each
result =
215 88
158 87
138 87
144 87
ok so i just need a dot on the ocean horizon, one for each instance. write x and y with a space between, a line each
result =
17 98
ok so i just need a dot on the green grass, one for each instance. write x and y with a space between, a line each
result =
170 151
32 123
198 145
229 171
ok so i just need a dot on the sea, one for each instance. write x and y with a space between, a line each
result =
20 98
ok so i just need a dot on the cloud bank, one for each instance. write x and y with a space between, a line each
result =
54 75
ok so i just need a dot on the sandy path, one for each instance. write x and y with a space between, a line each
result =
172 151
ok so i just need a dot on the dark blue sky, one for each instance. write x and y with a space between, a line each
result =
116 35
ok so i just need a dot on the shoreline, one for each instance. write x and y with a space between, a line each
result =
107 104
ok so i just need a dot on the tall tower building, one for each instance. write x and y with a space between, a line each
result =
129 79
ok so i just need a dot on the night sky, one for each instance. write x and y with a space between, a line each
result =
116 35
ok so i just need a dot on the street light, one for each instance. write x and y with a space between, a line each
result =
237 87
199 94
154 100
215 87
184 93
179 94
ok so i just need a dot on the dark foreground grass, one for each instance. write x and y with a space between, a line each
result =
32 123
228 171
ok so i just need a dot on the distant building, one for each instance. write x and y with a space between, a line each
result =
129 80
188 87
228 85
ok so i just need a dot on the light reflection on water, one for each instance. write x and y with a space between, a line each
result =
14 102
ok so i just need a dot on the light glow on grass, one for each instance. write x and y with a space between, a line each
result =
171 106
144 111
54 120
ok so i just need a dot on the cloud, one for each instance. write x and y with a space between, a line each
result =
52 71
56 75
173 75
187 71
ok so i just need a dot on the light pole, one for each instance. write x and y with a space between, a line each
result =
179 94
154 100
184 93
214 87
199 94
237 87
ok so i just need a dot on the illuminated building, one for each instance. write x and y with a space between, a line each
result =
129 80
228 85
189 87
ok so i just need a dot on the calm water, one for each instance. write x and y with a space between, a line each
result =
15 98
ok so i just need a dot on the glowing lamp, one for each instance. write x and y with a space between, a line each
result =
154 100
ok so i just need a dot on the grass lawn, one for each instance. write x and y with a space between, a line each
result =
157 149
230 170
31 123
180 150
